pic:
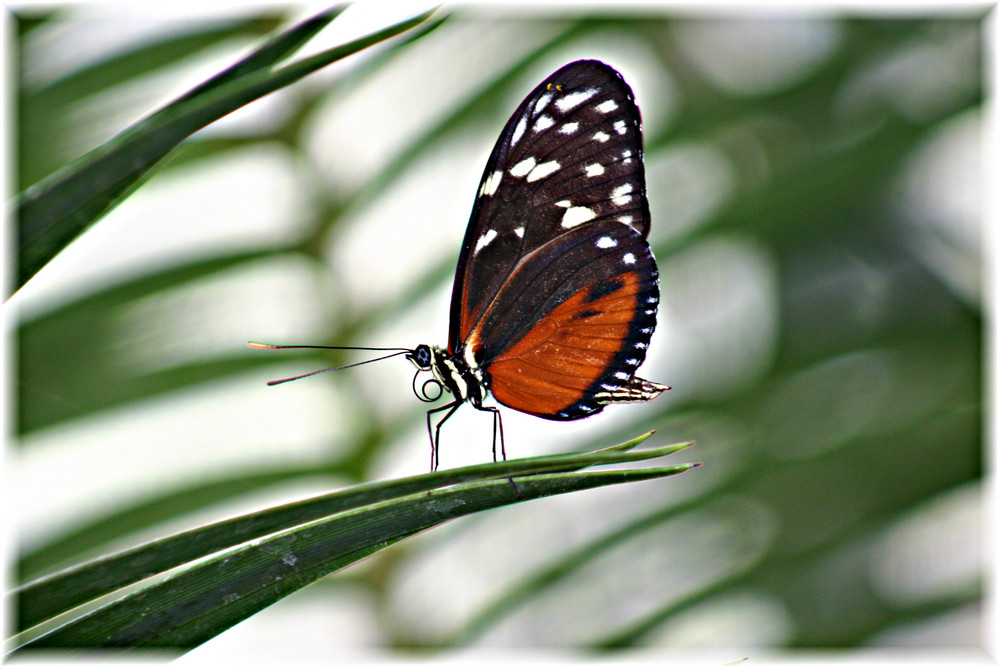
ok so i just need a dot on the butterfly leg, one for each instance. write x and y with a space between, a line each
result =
435 435
497 421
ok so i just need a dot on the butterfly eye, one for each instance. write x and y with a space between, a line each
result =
421 357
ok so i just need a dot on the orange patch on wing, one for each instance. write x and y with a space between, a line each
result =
553 365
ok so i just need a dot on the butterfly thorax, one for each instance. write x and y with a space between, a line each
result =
463 379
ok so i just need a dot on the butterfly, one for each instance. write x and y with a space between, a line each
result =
556 291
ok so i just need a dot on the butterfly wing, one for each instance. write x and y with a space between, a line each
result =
556 289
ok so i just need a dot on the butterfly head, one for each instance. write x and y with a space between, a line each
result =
422 357
429 359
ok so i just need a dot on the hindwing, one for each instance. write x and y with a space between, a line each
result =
572 324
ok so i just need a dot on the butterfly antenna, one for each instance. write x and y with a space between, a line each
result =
396 351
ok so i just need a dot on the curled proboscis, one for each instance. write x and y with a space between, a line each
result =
425 393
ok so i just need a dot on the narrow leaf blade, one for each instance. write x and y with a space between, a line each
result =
52 213
186 610
49 596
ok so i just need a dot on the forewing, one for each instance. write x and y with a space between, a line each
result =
570 156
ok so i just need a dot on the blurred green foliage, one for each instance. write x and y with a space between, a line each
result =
863 409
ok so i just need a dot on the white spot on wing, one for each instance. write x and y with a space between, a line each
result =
543 123
569 128
594 169
519 231
601 136
485 240
573 100
543 102
577 216
522 167
564 203
543 170
607 106
491 184
606 242
519 129
621 375
628 258
620 127
620 195
627 219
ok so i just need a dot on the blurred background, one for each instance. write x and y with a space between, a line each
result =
815 181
